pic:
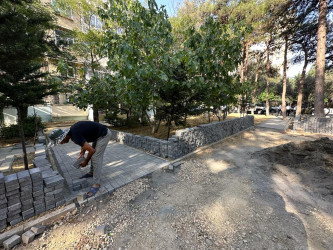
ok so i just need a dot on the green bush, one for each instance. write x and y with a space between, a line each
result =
28 124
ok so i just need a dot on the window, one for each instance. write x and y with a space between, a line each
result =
65 11
68 72
95 22
63 38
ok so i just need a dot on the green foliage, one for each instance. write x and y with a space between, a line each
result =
30 125
23 44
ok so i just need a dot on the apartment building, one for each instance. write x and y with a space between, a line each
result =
67 20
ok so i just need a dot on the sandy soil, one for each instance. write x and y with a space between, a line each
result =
256 190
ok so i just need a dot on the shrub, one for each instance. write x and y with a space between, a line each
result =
28 124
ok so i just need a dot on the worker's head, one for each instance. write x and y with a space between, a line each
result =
60 136
66 139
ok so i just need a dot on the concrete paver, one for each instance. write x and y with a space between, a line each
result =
121 164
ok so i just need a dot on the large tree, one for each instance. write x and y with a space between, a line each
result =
23 45
320 61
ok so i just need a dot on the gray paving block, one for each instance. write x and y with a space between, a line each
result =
48 189
27 188
23 176
59 198
39 211
14 222
49 173
13 196
39 198
41 155
3 201
13 202
35 172
38 229
2 180
28 216
27 182
12 187
61 202
38 202
13 217
27 202
13 192
59 195
53 181
12 241
11 179
3 205
40 206
27 207
41 162
38 184
48 202
3 215
38 193
14 207
12 213
50 206
28 236
26 195
29 211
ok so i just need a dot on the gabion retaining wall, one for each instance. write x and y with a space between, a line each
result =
30 192
185 140
314 125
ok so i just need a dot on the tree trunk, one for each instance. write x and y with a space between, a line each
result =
169 127
254 90
320 61
267 77
24 112
301 83
246 57
284 89
21 132
95 114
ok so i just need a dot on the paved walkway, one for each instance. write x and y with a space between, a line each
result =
7 156
122 164
275 123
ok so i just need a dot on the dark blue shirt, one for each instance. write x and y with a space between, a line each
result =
86 131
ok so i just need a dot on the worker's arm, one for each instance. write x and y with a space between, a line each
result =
83 151
91 151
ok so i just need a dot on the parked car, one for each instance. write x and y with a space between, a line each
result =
259 107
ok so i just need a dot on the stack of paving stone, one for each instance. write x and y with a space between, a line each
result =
3 203
14 206
53 189
37 190
30 192
26 189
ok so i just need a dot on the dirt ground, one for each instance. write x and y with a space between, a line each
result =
256 190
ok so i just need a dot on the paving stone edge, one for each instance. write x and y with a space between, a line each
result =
46 219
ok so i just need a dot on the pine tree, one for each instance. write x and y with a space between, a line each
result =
24 42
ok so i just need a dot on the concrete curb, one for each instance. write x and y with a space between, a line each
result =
44 220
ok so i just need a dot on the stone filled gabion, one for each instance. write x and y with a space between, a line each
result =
314 125
185 140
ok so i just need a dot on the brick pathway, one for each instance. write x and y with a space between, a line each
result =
122 164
